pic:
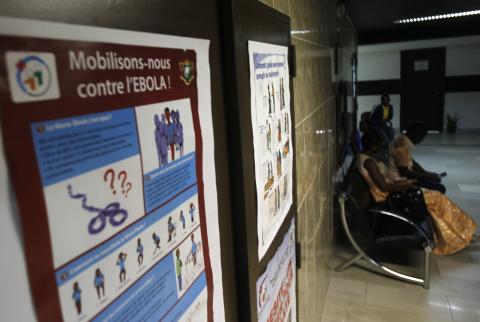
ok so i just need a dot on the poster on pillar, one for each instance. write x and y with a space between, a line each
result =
276 296
272 144
108 136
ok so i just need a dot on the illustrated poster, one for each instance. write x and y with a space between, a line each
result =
109 141
276 297
271 125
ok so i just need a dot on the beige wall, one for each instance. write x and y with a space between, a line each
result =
314 33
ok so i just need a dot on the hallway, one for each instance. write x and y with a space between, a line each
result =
356 295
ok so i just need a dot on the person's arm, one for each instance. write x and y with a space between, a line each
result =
424 174
379 179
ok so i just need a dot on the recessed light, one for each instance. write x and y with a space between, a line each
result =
437 17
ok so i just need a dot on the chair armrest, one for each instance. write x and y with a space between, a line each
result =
406 220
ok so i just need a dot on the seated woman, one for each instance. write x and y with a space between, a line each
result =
454 228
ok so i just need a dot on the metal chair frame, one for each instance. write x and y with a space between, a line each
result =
377 266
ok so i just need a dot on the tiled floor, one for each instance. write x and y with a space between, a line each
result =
356 295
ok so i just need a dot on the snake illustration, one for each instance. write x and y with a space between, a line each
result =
116 215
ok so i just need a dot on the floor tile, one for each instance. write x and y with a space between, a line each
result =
408 300
469 188
468 271
464 310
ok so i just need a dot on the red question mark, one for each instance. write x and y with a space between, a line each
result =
129 187
124 175
112 178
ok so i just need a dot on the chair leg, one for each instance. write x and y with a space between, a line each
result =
348 263
426 272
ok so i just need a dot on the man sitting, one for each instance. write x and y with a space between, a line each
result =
381 119
401 152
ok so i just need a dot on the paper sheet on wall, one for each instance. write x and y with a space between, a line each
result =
108 135
271 125
276 296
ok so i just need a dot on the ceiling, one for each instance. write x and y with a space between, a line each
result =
374 19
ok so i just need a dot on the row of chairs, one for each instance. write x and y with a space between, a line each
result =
370 227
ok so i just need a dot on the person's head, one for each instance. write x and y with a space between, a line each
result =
97 272
371 142
193 237
416 132
139 241
385 99
170 219
76 286
177 253
167 113
120 256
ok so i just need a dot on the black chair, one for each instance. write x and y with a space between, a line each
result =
360 218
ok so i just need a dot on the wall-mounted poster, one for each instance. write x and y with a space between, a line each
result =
276 297
109 139
272 143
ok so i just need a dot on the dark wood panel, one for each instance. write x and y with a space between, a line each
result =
378 87
453 84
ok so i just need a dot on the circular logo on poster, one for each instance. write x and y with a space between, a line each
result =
33 76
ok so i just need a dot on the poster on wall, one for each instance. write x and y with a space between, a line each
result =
272 143
276 297
109 140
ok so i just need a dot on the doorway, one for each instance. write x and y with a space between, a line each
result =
423 87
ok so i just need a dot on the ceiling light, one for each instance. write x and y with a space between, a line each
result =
436 17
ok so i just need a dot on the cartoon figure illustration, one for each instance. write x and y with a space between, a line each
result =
178 132
279 131
269 100
179 265
286 124
275 208
182 219
77 297
139 252
170 133
194 250
161 140
121 264
99 283
279 163
171 228
269 137
192 211
156 241
277 194
273 98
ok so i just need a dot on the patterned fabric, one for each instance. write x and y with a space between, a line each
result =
454 229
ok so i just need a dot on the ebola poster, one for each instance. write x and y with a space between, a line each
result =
109 143
276 297
271 125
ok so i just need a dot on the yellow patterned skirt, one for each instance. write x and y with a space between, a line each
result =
454 229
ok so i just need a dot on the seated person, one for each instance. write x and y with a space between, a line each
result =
401 152
381 119
454 228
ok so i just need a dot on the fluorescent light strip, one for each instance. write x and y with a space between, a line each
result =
437 17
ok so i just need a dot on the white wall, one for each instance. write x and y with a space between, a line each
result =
467 105
379 65
382 61
15 299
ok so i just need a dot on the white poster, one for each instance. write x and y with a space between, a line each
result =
110 138
276 297
271 125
